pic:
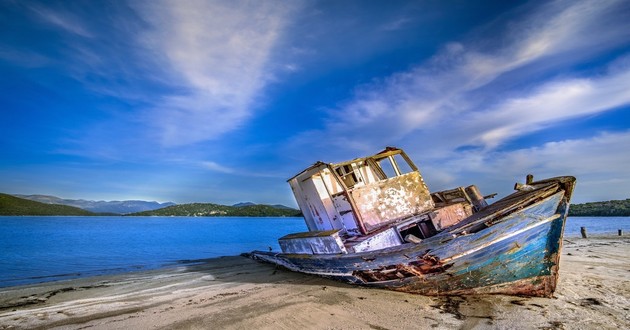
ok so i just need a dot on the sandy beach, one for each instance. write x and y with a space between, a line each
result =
239 293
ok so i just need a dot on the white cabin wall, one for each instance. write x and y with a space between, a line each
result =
323 201
332 216
312 192
313 206
300 198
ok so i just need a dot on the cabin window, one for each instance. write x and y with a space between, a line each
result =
394 165
387 167
348 175
403 165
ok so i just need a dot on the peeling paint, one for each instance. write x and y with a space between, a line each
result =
460 245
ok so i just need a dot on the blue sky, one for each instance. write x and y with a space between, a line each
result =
222 101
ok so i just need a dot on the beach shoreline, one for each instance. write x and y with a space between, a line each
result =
236 292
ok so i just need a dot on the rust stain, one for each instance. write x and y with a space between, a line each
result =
515 247
540 286
426 264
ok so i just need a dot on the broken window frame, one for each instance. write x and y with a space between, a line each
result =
389 154
349 173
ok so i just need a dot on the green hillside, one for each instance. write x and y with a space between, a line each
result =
11 205
614 208
216 210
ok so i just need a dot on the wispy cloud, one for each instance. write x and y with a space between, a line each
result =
396 24
212 166
62 19
247 171
218 52
551 103
167 85
444 100
599 163
453 112
184 72
567 26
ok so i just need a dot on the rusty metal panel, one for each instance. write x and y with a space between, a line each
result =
313 242
384 239
449 215
389 200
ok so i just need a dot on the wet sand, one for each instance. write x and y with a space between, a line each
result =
239 293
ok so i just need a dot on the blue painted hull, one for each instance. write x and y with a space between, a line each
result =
513 254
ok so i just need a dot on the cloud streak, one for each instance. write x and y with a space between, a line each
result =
599 163
185 72
218 52
554 102
242 93
453 112
445 99
63 20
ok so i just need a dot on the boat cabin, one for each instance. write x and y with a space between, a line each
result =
372 203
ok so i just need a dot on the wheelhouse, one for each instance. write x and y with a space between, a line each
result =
360 196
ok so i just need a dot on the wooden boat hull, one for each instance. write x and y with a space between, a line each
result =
515 254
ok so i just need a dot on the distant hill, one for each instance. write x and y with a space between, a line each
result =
614 208
243 204
280 206
277 206
11 205
119 207
216 210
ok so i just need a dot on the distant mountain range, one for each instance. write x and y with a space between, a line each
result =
119 207
51 205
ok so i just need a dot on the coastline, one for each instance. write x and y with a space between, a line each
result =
235 292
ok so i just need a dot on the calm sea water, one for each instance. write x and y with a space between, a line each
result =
40 249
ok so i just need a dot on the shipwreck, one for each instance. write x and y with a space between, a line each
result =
372 221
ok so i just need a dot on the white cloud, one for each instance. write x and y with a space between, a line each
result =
445 100
568 26
453 111
184 71
219 51
549 104
599 163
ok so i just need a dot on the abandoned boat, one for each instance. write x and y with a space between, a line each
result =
372 221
